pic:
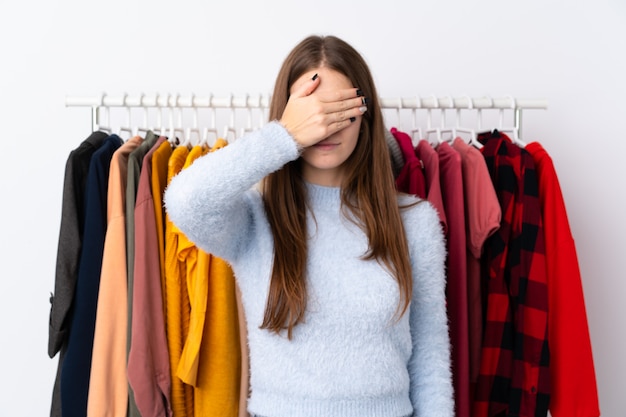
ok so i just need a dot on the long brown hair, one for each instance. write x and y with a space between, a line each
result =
368 190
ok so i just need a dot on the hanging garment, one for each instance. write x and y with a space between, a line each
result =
148 360
158 181
108 386
410 180
70 238
196 295
160 161
68 254
395 153
514 373
178 308
425 152
135 160
573 389
244 387
77 362
482 219
456 273
218 380
213 335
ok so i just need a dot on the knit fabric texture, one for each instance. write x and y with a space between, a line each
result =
352 356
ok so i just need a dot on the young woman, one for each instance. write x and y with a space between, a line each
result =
342 279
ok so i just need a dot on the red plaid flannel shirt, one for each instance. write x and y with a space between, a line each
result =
514 375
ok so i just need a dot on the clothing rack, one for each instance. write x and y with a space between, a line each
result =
261 102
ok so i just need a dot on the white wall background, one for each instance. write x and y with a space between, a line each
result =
571 53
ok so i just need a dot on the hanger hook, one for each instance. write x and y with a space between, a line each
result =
145 114
169 119
194 128
435 105
158 113
515 112
399 107
490 106
470 106
430 129
443 111
418 105
248 126
104 108
232 114
470 102
211 126
260 110
179 113
170 116
501 118
125 104
513 103
195 111
435 101
516 135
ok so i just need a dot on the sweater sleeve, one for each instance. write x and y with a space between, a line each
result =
431 389
208 201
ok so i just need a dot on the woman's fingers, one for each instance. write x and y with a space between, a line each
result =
340 101
344 118
310 118
346 104
345 109
340 95
342 115
307 88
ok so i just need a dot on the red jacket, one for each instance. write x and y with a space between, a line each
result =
573 382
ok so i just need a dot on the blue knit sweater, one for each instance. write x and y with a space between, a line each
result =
350 357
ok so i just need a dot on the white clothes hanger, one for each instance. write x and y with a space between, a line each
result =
190 131
189 135
211 129
128 128
248 127
98 114
444 125
143 128
416 129
207 133
471 132
514 130
429 128
230 127
159 128
398 112
227 131
176 132
479 117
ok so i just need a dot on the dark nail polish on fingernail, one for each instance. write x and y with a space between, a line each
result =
353 119
365 101
314 77
359 93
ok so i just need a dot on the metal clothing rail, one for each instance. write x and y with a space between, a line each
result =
261 101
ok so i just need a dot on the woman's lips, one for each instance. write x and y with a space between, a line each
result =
325 146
